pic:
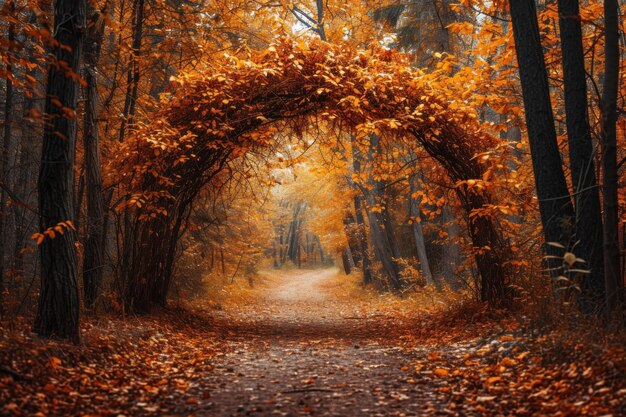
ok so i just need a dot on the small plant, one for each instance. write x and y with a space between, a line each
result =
568 276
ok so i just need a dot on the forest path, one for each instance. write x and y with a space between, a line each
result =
303 348
309 343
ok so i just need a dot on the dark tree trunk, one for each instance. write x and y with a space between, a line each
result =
133 77
57 314
613 278
345 259
450 250
366 264
6 145
93 265
23 213
381 228
321 250
352 237
581 153
555 205
361 233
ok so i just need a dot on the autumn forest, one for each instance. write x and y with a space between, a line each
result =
312 208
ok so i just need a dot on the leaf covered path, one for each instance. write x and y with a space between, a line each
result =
303 351
304 343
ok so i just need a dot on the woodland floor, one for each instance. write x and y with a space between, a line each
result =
302 345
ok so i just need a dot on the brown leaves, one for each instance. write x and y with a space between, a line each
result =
139 367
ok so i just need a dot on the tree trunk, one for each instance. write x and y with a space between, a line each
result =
450 250
613 278
381 229
581 153
361 233
132 85
416 224
345 259
555 205
321 250
22 213
57 314
6 145
93 264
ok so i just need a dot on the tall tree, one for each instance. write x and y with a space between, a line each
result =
58 311
555 205
581 156
613 278
134 74
6 145
93 264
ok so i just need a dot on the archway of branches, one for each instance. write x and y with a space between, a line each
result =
236 106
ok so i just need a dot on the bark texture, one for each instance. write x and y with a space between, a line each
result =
588 221
555 205
57 314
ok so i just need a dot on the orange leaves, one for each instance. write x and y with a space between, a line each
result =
53 231
54 362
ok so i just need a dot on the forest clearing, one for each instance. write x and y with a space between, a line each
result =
312 207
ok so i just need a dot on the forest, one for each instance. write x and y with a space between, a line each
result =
312 207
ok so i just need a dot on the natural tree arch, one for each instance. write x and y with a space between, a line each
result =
237 104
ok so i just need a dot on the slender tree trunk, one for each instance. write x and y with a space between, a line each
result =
321 250
585 186
381 229
134 74
345 259
6 145
555 205
57 314
418 233
613 278
361 232
31 135
93 265
450 250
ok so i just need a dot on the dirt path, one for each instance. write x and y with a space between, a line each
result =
300 350
310 343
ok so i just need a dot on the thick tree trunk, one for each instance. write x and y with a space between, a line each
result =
581 153
93 264
57 314
613 278
555 205
418 234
